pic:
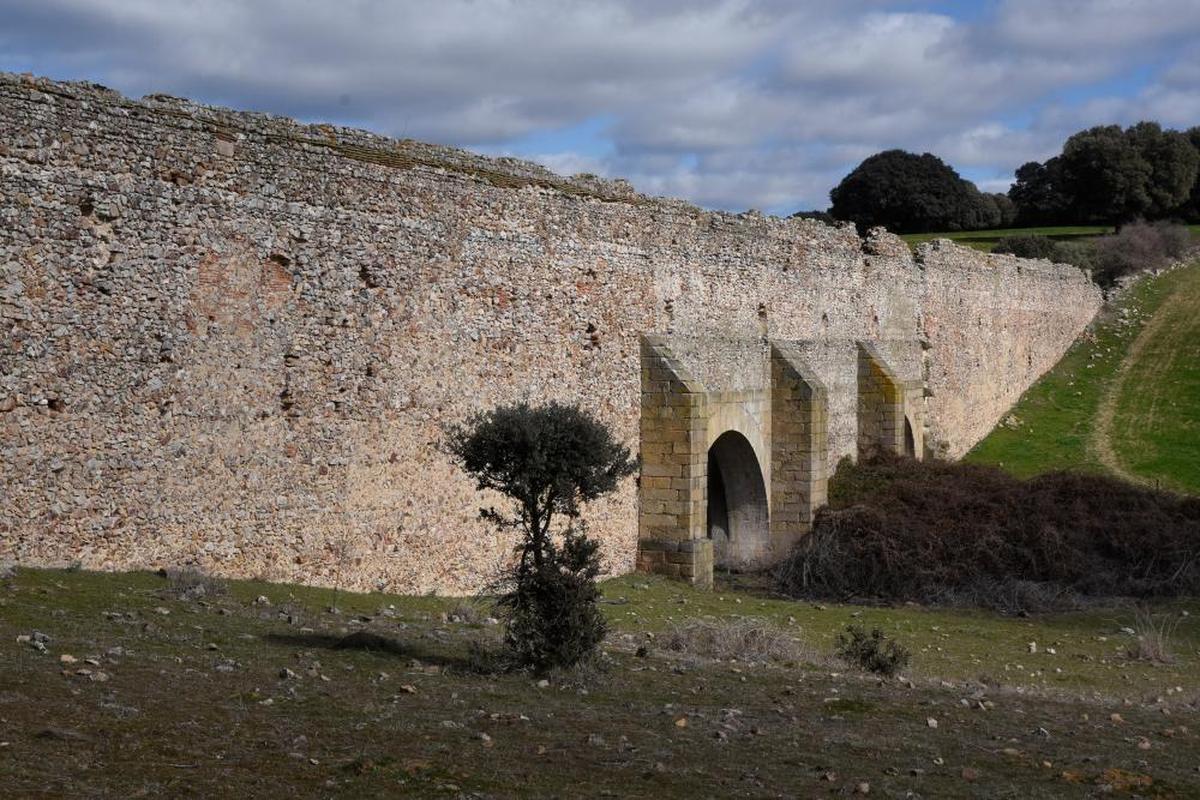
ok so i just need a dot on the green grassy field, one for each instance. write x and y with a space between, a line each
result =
142 690
987 239
1091 413
1154 426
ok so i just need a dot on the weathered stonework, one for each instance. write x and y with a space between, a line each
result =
800 454
889 408
230 340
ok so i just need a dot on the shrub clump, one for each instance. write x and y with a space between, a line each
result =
549 460
1030 247
872 652
191 584
939 532
1139 247
553 620
1154 637
750 640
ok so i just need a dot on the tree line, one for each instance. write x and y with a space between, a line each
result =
1105 175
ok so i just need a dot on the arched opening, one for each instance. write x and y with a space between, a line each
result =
737 502
910 442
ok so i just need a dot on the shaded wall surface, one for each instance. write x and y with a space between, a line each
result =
230 340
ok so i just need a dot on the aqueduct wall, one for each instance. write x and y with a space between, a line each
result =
230 340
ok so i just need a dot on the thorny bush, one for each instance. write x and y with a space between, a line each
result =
939 532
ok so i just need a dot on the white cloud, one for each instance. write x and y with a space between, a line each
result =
730 103
1086 26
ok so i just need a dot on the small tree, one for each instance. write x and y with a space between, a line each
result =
550 460
910 193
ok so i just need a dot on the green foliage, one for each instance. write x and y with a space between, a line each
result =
1081 253
820 216
872 652
551 611
1174 168
1106 174
1040 195
1005 208
1029 247
985 240
1137 247
1190 211
908 193
550 460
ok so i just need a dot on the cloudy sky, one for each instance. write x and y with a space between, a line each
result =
732 104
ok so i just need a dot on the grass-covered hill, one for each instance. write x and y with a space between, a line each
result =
1125 400
987 239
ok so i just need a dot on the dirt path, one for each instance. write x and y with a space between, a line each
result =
1182 304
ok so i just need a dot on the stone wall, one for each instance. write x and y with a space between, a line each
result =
230 340
990 333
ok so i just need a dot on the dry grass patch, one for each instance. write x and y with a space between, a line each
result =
746 639
1154 636
191 584
467 612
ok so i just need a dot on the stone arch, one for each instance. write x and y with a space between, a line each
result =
738 514
730 412
759 450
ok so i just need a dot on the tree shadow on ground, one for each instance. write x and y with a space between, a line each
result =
479 658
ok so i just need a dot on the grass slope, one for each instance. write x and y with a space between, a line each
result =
1053 425
985 240
1155 424
142 692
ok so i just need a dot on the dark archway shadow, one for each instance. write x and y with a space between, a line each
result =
738 516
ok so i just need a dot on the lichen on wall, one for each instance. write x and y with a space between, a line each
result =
231 340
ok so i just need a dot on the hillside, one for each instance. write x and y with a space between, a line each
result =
1151 417
985 240
1124 400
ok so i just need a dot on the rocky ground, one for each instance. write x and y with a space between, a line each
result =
138 685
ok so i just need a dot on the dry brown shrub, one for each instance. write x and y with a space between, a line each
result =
191 584
1138 247
1154 635
467 613
937 532
746 639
